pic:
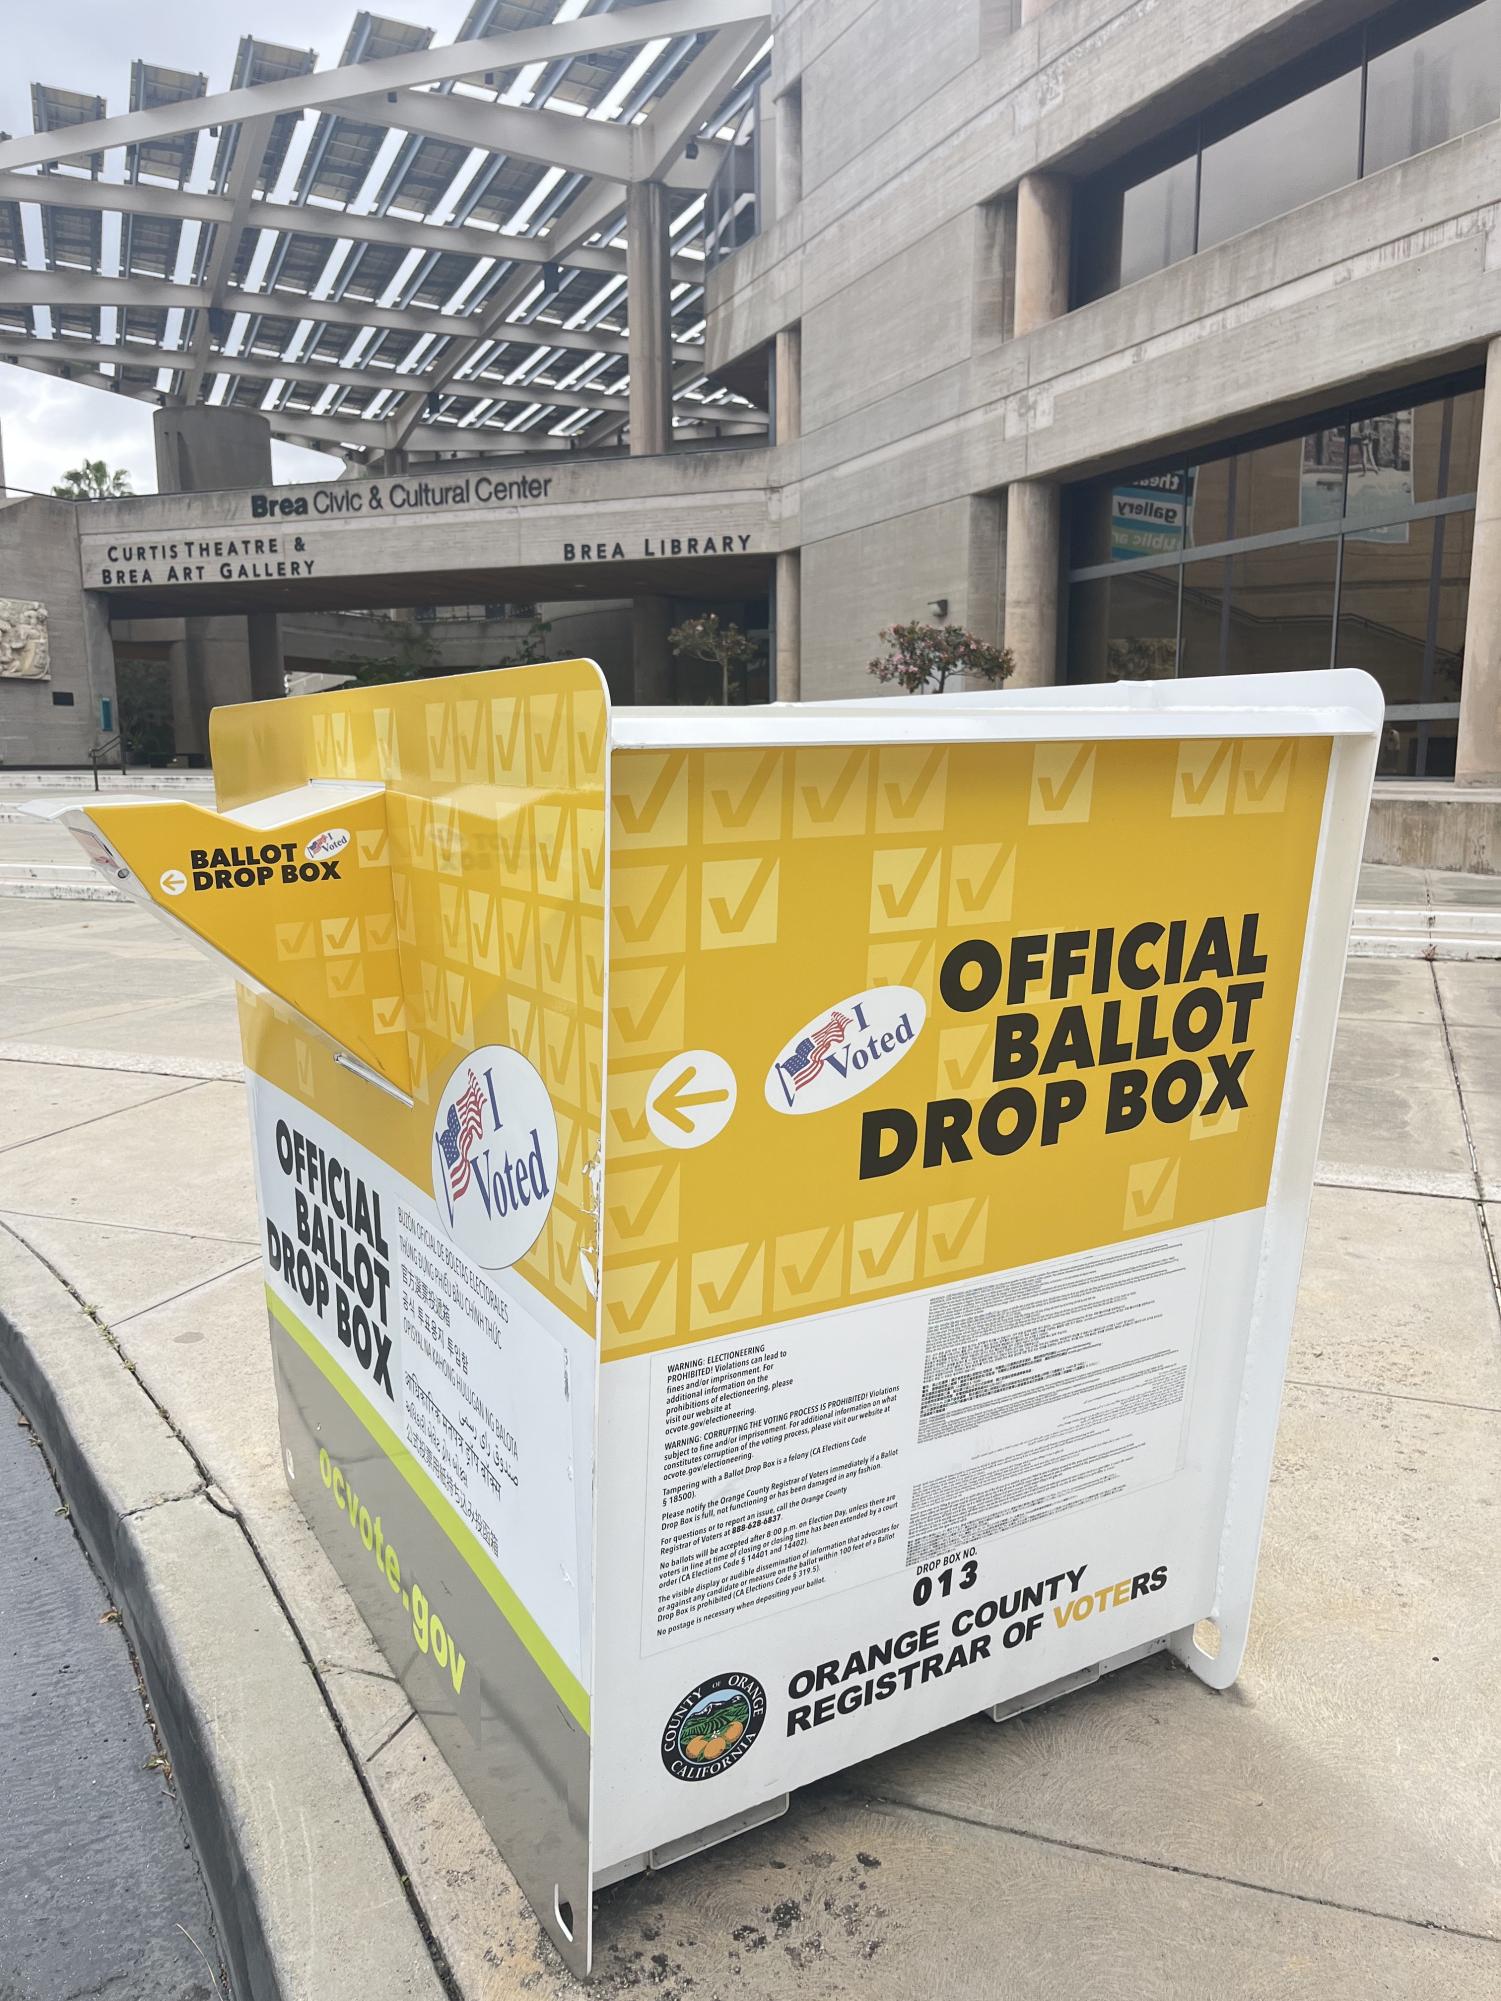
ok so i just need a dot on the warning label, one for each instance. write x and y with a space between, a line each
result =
883 1437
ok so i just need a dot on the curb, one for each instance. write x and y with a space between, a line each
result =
305 1893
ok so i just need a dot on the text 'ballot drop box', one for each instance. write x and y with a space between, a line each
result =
780 1225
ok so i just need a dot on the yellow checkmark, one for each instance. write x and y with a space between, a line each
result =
964 1058
904 888
911 789
807 1269
513 841
508 739
440 741
646 1005
340 935
518 929
1062 790
1261 774
345 976
830 792
484 933
558 934
643 1204
373 848
296 941
387 745
389 1014
901 962
885 1252
545 717
554 851
460 1010
727 1284
560 1042
453 909
587 717
1151 1194
738 902
743 795
982 883
649 908
649 798
524 1018
954 1237
1201 783
640 1303
380 934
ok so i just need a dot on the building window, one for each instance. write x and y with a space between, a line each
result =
1423 73
1342 543
732 210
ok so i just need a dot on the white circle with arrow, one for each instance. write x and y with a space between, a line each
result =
690 1099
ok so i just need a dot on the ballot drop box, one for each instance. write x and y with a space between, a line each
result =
780 1225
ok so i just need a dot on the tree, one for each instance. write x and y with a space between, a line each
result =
93 480
534 648
726 647
413 656
416 656
925 658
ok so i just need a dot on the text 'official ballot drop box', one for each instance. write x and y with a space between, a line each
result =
781 1225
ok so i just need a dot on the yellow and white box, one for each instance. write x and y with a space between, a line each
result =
780 1225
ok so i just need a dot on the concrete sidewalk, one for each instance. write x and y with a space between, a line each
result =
1332 1826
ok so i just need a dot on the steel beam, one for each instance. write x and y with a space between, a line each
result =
327 89
312 219
75 289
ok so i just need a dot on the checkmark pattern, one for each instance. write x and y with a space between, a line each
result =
752 889
490 856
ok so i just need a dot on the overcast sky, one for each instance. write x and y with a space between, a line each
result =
48 425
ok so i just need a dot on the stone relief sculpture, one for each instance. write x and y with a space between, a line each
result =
24 654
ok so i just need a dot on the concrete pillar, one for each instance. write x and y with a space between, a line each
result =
199 449
787 370
648 279
652 677
268 674
1478 759
1032 582
189 711
1044 211
787 620
204 447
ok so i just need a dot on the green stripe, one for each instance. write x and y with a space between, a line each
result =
569 1688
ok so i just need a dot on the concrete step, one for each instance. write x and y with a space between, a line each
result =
1425 932
59 882
109 781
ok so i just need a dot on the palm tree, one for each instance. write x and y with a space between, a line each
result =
93 480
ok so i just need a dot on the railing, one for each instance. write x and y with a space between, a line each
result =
101 751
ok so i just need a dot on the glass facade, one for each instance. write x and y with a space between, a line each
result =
1344 542
732 207
1426 72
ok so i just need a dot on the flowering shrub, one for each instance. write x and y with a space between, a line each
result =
922 659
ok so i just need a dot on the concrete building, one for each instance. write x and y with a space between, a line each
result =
1151 340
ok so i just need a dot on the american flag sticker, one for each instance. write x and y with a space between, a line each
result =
842 1052
457 1137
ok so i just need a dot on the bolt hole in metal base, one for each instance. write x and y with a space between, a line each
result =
1208 1639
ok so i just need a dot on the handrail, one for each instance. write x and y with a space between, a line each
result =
101 750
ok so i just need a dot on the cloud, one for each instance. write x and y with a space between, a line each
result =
88 45
47 425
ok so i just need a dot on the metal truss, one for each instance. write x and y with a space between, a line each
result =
420 249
